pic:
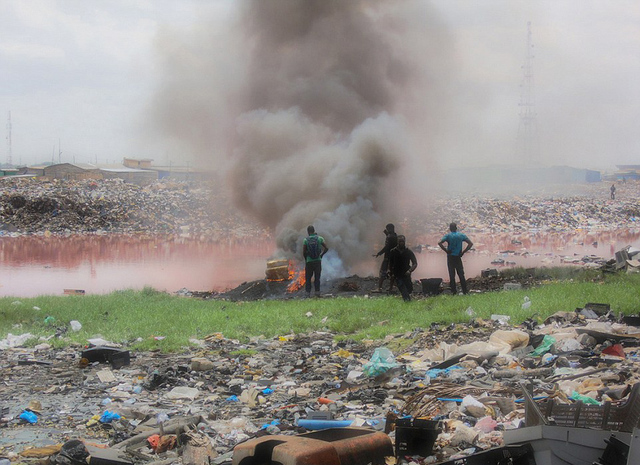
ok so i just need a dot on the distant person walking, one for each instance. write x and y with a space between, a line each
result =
402 262
390 241
313 249
613 191
454 240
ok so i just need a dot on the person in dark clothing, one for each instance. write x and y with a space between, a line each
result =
313 249
454 251
402 262
390 242
613 191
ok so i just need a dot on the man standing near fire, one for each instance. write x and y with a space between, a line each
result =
391 240
454 251
402 262
313 249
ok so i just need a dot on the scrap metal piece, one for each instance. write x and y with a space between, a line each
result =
337 446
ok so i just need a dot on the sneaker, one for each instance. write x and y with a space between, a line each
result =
308 295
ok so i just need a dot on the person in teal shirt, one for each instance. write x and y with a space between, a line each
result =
454 240
313 249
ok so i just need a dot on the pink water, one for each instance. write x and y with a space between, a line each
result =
31 266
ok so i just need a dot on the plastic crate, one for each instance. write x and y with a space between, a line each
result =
623 417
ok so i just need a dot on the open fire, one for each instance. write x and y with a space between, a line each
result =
285 270
297 280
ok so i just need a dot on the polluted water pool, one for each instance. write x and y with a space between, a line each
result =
99 264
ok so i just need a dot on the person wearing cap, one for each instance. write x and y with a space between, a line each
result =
391 240
454 240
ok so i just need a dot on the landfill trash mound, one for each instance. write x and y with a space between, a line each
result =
559 208
201 210
460 389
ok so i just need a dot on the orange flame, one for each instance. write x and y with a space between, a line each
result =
296 277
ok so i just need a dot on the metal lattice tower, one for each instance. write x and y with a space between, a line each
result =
9 155
528 146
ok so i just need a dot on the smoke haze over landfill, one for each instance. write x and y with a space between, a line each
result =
82 74
315 110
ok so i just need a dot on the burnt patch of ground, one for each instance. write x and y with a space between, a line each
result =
356 286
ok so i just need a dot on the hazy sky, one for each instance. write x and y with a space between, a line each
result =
82 73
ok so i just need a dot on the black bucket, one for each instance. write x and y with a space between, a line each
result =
431 286
416 436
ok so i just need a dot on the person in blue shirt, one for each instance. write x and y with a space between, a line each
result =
455 252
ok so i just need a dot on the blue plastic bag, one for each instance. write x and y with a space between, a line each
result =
108 417
29 416
381 361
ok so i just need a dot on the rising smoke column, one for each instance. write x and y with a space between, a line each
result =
312 118
318 143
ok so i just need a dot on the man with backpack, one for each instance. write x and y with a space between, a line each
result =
313 249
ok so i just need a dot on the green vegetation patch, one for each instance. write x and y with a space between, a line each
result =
152 320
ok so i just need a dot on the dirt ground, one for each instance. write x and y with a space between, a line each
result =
358 286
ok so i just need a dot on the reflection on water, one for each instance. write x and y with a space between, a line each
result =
35 265
99 264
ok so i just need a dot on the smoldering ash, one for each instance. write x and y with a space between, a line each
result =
317 91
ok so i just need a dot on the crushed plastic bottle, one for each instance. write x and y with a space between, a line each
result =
526 304
75 325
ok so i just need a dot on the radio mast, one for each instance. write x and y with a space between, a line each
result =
528 146
9 155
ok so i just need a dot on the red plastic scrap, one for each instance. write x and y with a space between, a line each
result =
153 441
615 350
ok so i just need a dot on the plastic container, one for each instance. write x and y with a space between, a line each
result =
416 436
314 425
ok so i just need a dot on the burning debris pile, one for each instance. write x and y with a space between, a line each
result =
30 206
464 388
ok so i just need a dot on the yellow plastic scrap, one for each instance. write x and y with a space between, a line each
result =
93 420
41 452
343 353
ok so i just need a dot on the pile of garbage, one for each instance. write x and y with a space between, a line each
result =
438 394
32 206
583 207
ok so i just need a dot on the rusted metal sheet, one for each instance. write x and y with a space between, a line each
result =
335 446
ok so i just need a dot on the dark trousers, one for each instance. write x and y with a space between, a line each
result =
455 266
405 286
312 269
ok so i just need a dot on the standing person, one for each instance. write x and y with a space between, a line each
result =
313 249
454 240
613 191
391 240
402 262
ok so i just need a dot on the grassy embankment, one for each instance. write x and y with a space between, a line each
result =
135 318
